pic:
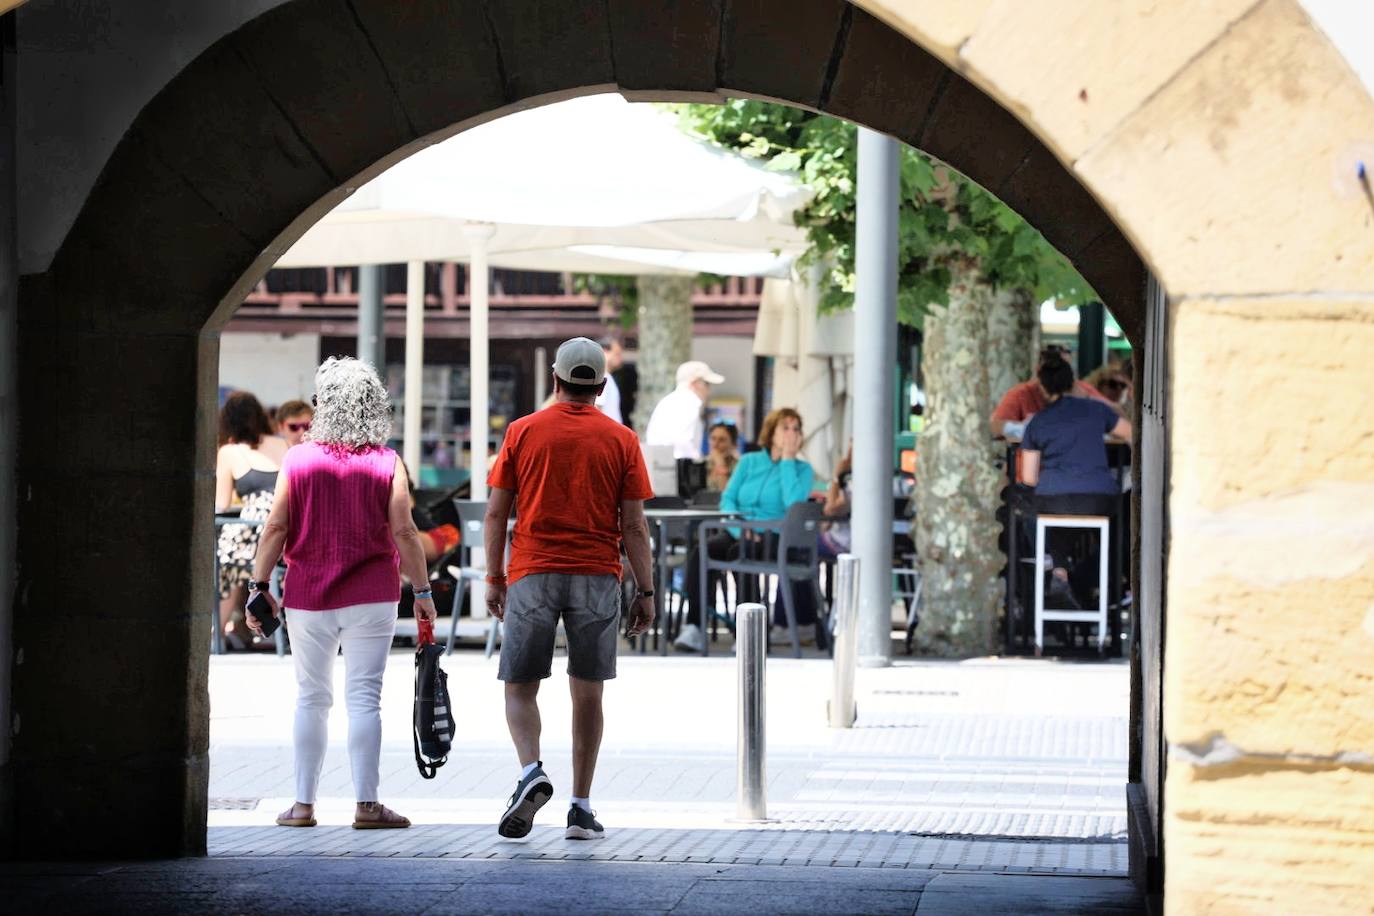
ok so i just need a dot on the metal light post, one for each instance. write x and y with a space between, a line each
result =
875 360
371 319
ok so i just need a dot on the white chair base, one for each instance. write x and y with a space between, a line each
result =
1099 615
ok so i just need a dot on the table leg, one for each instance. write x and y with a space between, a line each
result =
661 603
216 629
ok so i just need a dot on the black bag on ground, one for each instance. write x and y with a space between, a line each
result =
433 722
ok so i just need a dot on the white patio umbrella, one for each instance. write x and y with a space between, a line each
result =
595 184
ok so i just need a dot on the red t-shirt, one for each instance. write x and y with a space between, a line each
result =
569 466
1026 400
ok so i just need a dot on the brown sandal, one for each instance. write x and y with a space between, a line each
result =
386 818
288 819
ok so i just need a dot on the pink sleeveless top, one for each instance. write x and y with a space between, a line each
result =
339 550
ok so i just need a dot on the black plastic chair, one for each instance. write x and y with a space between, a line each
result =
706 499
675 536
789 551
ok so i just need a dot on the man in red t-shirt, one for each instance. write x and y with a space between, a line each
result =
577 481
1027 399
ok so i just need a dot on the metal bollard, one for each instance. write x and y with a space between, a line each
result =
751 650
842 710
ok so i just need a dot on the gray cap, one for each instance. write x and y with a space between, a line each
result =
580 362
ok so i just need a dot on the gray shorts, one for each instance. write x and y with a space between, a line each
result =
590 608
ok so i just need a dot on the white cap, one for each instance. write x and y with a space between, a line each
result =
580 361
695 369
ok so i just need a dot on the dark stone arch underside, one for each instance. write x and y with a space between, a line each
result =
119 367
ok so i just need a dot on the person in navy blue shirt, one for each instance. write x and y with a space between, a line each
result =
1064 457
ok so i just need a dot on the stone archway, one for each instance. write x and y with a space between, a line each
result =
1176 149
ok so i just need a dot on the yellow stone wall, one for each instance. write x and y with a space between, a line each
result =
1222 137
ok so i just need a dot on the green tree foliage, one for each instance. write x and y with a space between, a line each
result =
943 214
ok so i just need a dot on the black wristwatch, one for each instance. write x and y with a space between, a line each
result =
645 593
263 586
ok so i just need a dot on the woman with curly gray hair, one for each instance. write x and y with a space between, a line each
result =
342 515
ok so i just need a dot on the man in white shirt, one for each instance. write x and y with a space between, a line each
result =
677 420
608 402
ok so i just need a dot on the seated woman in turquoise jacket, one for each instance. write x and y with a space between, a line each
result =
762 486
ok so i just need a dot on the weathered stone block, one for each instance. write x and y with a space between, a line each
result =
174 255
111 694
198 127
1076 70
1239 175
784 58
1052 200
1264 836
941 28
672 45
975 135
883 81
1270 397
1114 269
317 64
439 55
548 46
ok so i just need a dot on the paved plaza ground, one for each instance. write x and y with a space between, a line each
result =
987 785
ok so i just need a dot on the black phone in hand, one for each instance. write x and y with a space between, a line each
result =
261 609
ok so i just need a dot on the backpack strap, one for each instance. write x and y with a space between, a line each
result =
427 769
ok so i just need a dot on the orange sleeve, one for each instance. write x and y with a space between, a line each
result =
1012 406
636 485
503 471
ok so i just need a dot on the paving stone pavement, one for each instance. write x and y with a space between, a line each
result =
987 766
330 887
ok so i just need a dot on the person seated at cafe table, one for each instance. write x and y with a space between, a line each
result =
764 484
722 456
1027 399
1064 457
1114 383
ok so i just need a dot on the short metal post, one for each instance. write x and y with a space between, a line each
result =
842 710
751 650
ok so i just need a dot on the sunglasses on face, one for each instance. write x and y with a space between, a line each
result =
1113 383
299 427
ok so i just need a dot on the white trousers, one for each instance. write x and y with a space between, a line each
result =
364 631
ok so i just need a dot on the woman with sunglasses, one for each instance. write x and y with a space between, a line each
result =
293 421
1114 384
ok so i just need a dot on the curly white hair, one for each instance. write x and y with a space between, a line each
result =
351 405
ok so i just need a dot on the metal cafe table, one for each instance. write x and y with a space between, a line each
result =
668 523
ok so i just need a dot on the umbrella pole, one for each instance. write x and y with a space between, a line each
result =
479 285
415 365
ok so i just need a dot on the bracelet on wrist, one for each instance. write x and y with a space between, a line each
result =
496 580
427 594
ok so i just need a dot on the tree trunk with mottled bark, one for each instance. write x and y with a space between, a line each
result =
1011 340
957 482
665 339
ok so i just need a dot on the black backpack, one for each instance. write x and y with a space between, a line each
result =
433 723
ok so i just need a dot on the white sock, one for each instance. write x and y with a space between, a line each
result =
584 803
529 769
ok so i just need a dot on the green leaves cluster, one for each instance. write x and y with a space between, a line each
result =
943 215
